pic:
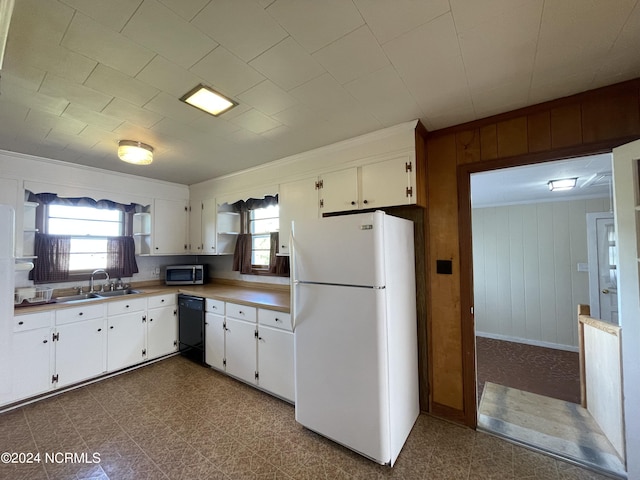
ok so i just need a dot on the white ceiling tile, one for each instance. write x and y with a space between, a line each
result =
121 109
117 84
91 117
268 98
156 27
129 131
46 120
168 128
298 116
243 27
255 122
468 15
389 20
214 126
385 96
226 73
325 96
11 112
287 65
316 24
169 106
76 141
32 99
352 56
40 22
25 75
97 42
55 86
168 76
98 135
511 94
113 14
187 9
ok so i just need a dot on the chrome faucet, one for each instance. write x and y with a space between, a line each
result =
100 270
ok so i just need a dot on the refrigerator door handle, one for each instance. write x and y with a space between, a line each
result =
294 282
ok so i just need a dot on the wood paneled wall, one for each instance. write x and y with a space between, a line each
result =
591 122
526 283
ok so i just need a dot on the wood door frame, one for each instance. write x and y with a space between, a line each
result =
463 173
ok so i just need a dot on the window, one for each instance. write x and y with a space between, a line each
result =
262 221
89 228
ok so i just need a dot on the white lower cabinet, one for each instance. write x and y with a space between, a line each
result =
31 355
162 326
125 340
214 340
275 361
240 349
80 351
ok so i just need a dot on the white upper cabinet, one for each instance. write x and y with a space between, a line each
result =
339 191
170 220
298 200
388 183
209 213
195 226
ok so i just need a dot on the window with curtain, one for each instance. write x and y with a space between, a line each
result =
257 246
79 235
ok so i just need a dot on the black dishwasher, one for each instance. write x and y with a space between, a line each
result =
191 327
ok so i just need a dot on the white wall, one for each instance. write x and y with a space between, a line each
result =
526 282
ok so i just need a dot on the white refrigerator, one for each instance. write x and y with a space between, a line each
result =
7 275
355 333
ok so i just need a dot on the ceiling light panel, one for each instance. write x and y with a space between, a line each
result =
208 100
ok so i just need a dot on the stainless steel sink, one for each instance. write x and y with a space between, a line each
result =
76 298
95 296
117 293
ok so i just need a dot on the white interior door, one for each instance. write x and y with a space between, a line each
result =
603 274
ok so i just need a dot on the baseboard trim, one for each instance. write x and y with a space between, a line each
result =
526 341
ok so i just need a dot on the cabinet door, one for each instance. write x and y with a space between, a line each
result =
214 341
195 227
240 349
209 208
125 340
31 362
275 361
162 331
298 201
339 191
388 183
80 351
169 227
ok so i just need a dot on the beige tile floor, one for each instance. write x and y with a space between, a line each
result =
177 420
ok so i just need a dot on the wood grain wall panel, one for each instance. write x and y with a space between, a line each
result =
512 137
566 126
543 132
603 118
468 146
539 131
489 142
446 351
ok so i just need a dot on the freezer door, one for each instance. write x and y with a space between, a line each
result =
346 250
341 376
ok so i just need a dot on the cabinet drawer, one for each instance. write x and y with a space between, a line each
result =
75 314
214 306
242 312
126 306
275 319
161 300
32 321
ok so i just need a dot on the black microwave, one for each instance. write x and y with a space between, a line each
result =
186 275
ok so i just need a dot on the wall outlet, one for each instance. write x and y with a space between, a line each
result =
156 272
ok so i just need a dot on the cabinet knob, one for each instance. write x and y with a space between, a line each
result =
20 322
353 203
80 314
111 327
126 306
101 329
278 320
365 201
162 301
45 341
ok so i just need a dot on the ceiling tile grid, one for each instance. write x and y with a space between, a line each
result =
79 75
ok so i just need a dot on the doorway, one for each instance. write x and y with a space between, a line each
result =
530 271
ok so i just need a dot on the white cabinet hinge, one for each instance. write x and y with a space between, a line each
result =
409 192
319 184
321 203
55 336
408 166
54 378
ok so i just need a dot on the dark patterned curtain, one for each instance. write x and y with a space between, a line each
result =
52 198
242 254
278 265
121 258
255 203
52 262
